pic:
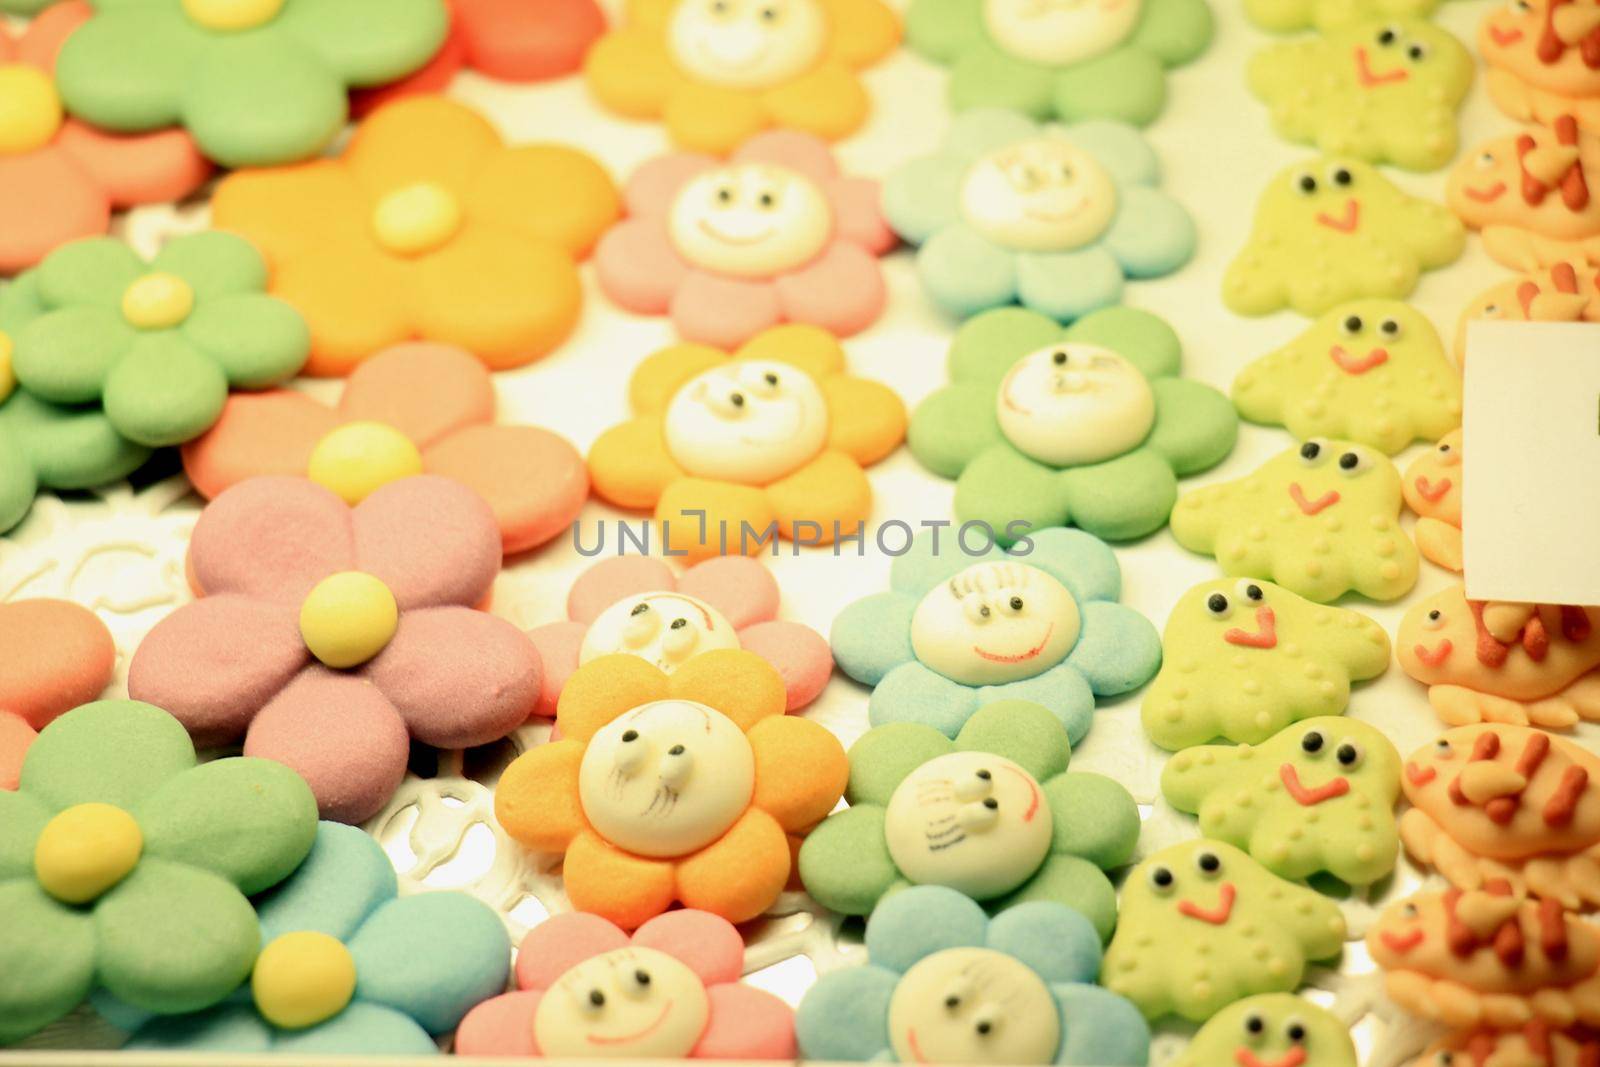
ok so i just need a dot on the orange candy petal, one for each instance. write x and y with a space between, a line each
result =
54 655
866 420
536 800
742 874
604 688
630 466
801 771
258 433
616 885
663 373
703 518
741 685
547 193
534 480
831 491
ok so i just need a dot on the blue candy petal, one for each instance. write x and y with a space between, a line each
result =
845 1016
368 1029
913 693
1057 942
1152 234
1069 285
924 196
230 1028
872 636
924 919
983 130
1100 1029
1118 651
432 957
935 556
965 274
1061 689
345 878
1120 148
1080 561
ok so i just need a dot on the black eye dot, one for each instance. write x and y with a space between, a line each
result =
1342 176
1255 1024
1254 592
1312 742
1307 184
1347 754
1059 359
630 735
767 200
1217 603
985 775
678 624
737 399
1349 461
1434 615
984 611
675 750
639 609
952 1002
1016 603
1310 450
1390 327
1444 448
1352 324
597 998
1417 52
724 195
1209 862
1296 1032
1386 36
772 379
1161 876
991 803
984 1027
642 977
770 14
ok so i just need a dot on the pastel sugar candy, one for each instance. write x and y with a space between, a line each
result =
1078 62
54 655
1501 803
1385 91
960 628
1087 425
1536 1045
1243 658
586 989
1271 1030
944 982
1482 661
1243 931
994 814
1543 61
1320 519
1055 218
1370 371
1284 16
1565 292
1334 229
1316 797
1529 195
1432 487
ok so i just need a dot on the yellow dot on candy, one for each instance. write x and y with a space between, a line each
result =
157 301
30 109
230 16
8 377
416 219
302 979
85 850
348 618
357 460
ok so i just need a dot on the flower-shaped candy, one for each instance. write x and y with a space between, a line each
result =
428 227
993 814
1320 519
960 629
1053 218
1385 91
329 637
1372 371
348 967
671 991
256 82
1529 193
60 178
1077 60
1566 292
1543 59
512 40
412 408
1334 230
776 234
1087 426
124 865
1284 16
728 448
54 655
158 344
1432 487
686 787
636 604
718 71
1272 1030
944 981
53 447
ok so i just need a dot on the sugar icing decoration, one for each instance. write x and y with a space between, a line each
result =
1543 60
54 656
685 787
1432 487
1053 218
958 630
1538 1044
946 984
479 254
994 815
1334 229
1565 292
1283 16
370 610
720 71
1320 519
1072 59
1271 1030
1087 425
775 432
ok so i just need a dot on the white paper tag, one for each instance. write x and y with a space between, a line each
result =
1531 458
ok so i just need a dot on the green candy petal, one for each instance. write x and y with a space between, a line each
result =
64 447
214 264
987 346
165 391
952 427
111 752
66 355
128 68
1128 84
252 821
1138 336
882 758
18 483
1023 732
258 341
1002 487
1096 818
46 959
22 818
986 77
1196 426
1174 31
94 272
20 303
368 42
845 863
1122 498
943 29
174 938
262 98
1078 884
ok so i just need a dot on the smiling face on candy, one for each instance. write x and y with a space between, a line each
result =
751 422
664 629
629 1002
1043 195
750 220
747 44
1073 404
973 1005
995 623
1056 33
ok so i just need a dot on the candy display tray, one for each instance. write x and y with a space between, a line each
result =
121 551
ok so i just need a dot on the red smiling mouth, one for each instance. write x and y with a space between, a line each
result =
1420 776
1310 798
1215 916
1293 1058
995 657
1433 492
1370 80
625 1039
1434 656
1033 794
1348 223
1351 365
1266 635
1400 944
1312 507
1486 196
1504 38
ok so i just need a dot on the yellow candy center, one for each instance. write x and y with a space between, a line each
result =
348 618
8 377
86 850
302 979
30 109
416 219
230 16
157 301
357 460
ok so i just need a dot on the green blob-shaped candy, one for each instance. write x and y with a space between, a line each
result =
1270 1029
1284 16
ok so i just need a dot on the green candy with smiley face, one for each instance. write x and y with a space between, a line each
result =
1273 1030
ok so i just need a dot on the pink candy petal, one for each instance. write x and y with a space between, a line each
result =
273 538
746 1024
558 645
709 944
744 591
637 266
423 390
618 578
653 187
534 481
560 943
798 653
802 152
725 312
857 218
842 291
500 1026
432 540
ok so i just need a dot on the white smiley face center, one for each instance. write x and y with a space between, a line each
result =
995 623
973 1005
1044 195
747 44
1056 33
750 220
634 1002
1071 404
750 422
972 821
664 629
667 778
